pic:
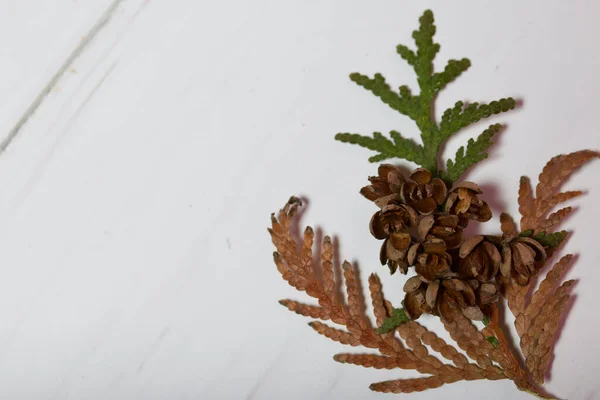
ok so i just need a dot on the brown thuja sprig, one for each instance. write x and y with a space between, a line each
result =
409 351
533 209
537 322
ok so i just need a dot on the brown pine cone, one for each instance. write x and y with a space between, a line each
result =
479 259
463 201
392 218
415 303
435 235
394 251
521 258
442 226
432 265
486 292
393 223
440 297
423 193
384 187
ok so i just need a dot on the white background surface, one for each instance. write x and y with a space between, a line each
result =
135 260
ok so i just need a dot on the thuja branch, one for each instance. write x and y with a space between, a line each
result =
419 109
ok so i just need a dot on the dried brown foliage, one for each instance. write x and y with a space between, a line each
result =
537 322
409 351
412 346
534 209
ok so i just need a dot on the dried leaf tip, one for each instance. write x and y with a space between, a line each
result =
339 358
295 200
553 175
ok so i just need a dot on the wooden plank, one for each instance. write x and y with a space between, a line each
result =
135 260
39 43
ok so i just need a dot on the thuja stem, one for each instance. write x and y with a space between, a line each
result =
521 378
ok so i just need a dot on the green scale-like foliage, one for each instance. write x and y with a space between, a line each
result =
419 109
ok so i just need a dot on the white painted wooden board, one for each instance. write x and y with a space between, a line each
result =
37 41
135 259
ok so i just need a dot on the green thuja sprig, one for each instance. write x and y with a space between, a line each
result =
551 239
419 108
546 239
493 340
475 152
389 324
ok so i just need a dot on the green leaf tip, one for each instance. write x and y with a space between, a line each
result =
493 341
526 233
397 147
475 152
389 324
486 321
551 239
418 107
453 70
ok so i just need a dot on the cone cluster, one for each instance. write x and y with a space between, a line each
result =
421 223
